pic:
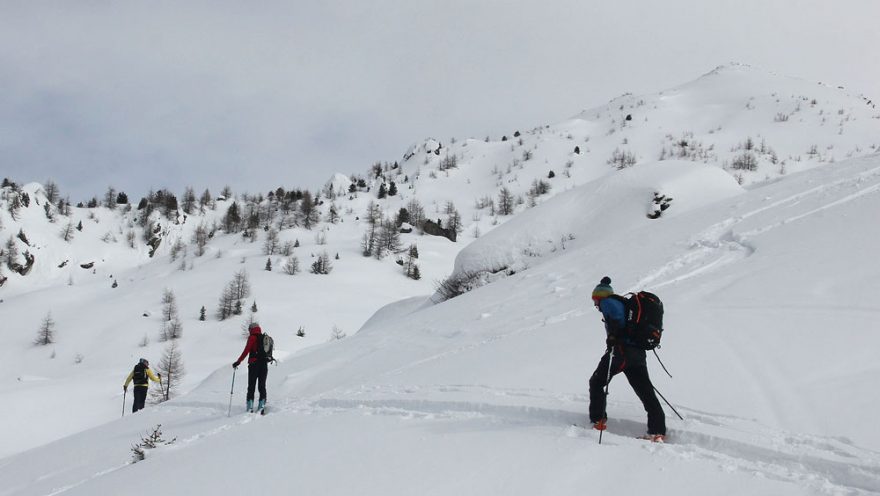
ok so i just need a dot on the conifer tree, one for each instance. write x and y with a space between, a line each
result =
188 204
232 219
170 330
46 333
506 202
202 313
67 231
291 265
270 245
200 238
373 216
241 285
173 371
169 305
110 198
333 214
410 268
206 200
52 192
226 307
336 333
14 205
454 220
416 213
308 212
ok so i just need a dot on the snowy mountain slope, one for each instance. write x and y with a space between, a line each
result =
770 351
707 120
106 327
791 125
595 211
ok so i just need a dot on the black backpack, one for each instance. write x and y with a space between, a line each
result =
265 346
140 374
644 319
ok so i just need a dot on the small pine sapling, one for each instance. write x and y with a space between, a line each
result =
148 442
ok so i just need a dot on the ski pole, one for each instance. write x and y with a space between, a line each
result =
668 403
231 390
661 363
607 383
124 392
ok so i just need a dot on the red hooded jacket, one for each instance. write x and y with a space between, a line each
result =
251 346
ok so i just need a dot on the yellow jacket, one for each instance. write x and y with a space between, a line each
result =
150 375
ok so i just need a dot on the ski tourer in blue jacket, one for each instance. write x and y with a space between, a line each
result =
622 356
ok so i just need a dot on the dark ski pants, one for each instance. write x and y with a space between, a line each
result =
257 371
630 361
140 397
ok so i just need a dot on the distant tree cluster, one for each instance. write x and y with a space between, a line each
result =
231 299
171 326
382 235
621 159
322 264
162 201
410 267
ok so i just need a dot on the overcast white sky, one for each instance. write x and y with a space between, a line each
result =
265 94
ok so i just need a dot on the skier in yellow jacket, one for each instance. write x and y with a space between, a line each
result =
139 375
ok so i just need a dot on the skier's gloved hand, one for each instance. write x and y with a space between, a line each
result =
125 388
235 365
611 341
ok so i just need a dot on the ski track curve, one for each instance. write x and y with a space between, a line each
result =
720 245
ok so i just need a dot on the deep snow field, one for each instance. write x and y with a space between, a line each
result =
769 338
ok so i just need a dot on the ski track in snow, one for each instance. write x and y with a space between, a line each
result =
719 245
826 465
733 444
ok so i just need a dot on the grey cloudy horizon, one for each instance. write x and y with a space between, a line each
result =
259 95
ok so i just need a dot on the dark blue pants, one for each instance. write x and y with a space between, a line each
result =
140 397
257 372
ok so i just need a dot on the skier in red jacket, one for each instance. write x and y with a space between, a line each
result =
258 366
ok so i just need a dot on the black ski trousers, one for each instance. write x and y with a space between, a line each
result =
257 372
140 397
630 361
